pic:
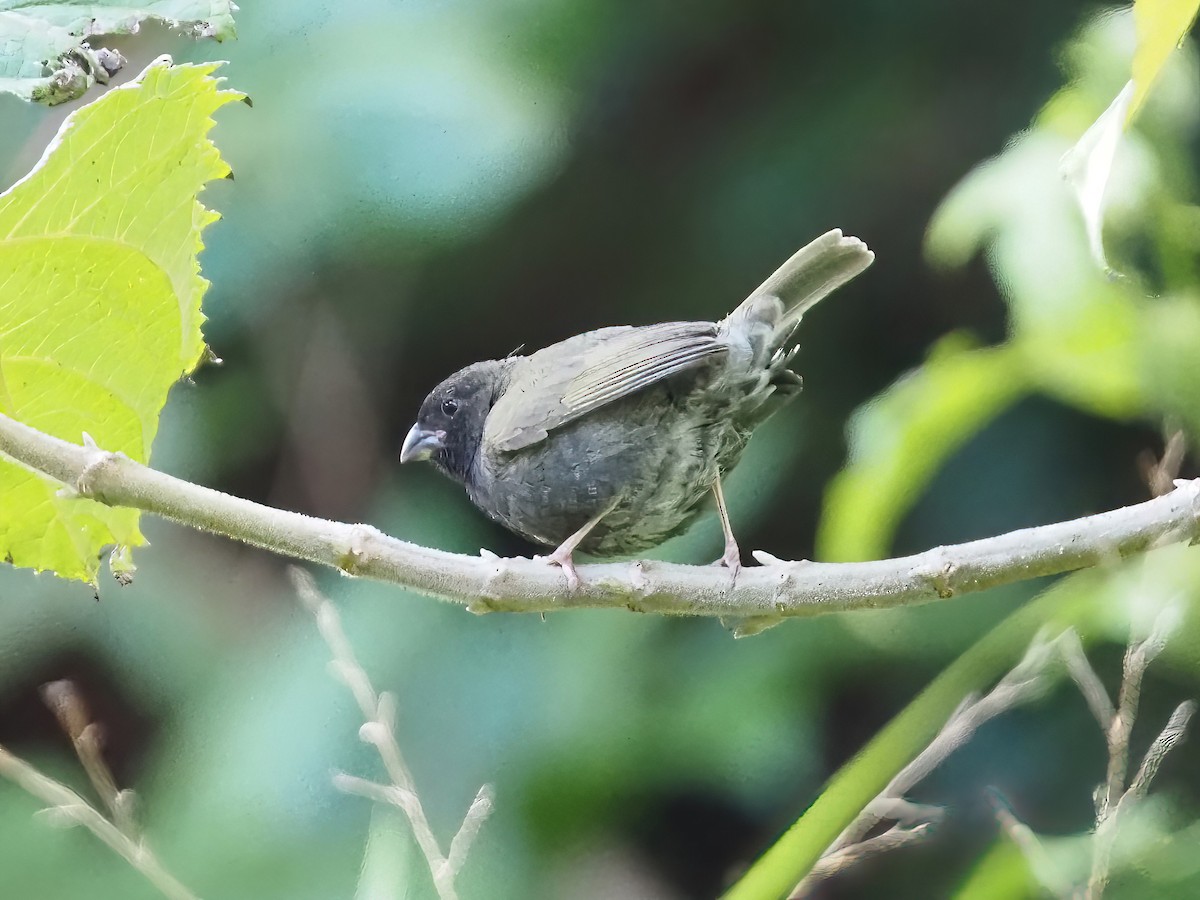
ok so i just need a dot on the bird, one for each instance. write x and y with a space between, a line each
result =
611 441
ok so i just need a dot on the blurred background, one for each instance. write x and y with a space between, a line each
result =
421 185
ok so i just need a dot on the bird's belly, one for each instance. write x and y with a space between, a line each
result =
645 467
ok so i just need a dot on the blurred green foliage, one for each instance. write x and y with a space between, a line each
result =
421 185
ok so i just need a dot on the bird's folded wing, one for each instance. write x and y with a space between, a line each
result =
566 381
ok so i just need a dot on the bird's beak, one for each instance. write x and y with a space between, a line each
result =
421 444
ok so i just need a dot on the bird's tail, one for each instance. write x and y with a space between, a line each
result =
811 274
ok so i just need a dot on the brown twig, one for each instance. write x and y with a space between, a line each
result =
379 711
1160 474
66 807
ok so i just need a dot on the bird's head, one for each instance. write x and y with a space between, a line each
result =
449 427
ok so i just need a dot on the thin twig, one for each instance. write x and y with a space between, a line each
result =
914 821
838 861
379 730
68 808
86 736
1138 655
775 589
1113 799
477 814
1160 474
1171 736
1087 681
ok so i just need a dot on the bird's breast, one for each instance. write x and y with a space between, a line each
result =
647 462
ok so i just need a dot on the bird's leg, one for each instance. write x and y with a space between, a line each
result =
562 554
732 557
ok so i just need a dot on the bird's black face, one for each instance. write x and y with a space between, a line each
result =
449 426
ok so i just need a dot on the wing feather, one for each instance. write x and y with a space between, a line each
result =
571 379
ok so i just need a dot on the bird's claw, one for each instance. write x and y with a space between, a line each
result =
730 559
563 561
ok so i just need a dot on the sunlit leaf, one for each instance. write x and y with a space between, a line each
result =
1161 27
100 297
1001 873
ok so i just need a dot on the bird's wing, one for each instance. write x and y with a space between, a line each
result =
559 384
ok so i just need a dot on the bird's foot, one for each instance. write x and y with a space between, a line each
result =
562 558
731 558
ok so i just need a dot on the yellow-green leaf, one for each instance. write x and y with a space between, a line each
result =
100 297
1161 27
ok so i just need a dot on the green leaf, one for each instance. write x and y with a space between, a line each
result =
1161 27
389 865
100 297
900 439
44 49
1000 874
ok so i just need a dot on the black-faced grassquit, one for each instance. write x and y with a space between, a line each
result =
609 442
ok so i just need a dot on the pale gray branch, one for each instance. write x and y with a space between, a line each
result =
488 583
379 730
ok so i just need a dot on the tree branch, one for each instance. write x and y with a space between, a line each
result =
776 589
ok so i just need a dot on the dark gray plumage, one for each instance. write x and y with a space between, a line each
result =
610 441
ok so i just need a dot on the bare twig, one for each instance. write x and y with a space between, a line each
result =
66 807
775 589
1160 474
379 711
914 821
839 860
1087 680
87 737
1138 655
1172 734
1113 799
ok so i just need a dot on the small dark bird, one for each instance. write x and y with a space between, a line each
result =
610 441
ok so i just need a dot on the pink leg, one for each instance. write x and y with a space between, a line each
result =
732 557
562 554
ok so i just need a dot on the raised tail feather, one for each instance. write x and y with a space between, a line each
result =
811 274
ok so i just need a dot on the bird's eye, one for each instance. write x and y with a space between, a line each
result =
450 406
